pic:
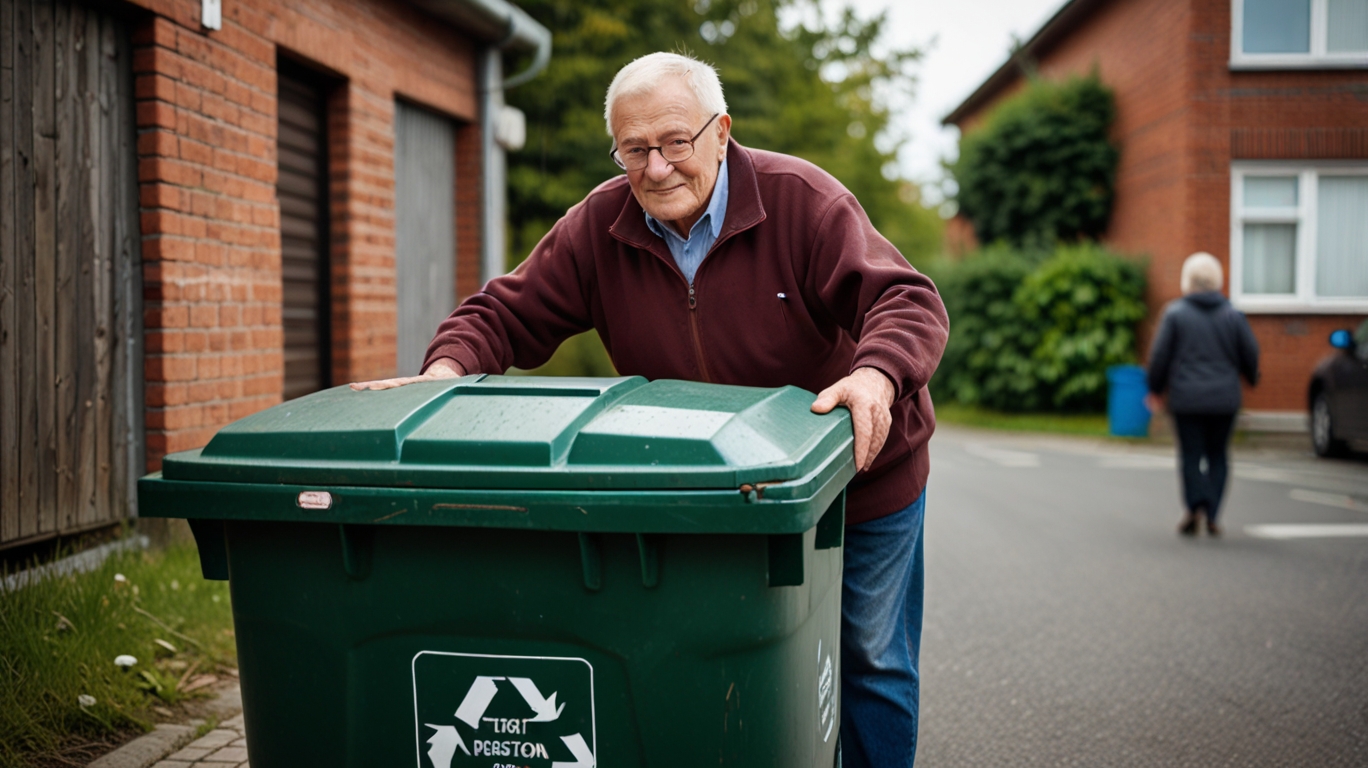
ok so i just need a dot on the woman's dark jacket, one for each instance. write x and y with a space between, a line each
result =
1203 347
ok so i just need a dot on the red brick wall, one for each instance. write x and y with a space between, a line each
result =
1182 116
207 124
1278 115
469 209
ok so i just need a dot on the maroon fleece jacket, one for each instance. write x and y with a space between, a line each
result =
798 289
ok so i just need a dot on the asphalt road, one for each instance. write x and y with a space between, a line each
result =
1068 624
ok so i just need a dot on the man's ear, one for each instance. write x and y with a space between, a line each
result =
723 133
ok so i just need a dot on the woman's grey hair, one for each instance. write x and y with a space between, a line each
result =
1201 272
644 74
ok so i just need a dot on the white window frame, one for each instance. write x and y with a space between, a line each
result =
1318 58
1304 299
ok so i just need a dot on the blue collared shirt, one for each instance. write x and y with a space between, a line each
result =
688 254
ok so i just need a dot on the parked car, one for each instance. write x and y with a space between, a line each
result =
1338 395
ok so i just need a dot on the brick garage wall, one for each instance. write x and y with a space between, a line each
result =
207 126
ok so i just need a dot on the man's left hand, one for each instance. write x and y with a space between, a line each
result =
868 394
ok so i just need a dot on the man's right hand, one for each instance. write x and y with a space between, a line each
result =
441 368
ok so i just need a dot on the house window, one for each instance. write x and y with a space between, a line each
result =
1273 34
1299 237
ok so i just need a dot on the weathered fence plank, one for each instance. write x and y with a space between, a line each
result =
130 459
68 332
50 23
98 97
26 66
9 411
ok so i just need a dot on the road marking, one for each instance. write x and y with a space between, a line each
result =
1308 531
1002 456
1138 461
1328 499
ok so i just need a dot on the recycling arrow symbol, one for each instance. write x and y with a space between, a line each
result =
445 739
482 692
583 757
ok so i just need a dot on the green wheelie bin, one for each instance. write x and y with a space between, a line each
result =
506 571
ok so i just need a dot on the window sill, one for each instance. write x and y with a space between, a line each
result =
1253 306
1296 63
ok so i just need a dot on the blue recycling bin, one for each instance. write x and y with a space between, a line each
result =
1127 415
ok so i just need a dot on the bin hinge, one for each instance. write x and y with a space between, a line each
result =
756 491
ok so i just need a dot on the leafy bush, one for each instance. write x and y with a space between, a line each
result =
1032 332
987 359
1084 303
1041 169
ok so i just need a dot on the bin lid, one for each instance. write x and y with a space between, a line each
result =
527 433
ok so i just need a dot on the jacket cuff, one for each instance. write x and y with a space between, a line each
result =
882 366
468 360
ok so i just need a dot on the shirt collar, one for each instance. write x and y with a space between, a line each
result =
715 215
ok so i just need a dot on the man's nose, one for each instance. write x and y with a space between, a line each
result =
657 167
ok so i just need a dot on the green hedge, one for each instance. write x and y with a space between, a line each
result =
1033 331
1041 168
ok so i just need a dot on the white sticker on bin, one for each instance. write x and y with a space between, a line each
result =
314 500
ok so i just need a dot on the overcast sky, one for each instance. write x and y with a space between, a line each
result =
965 42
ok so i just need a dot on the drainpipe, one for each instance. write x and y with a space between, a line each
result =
502 128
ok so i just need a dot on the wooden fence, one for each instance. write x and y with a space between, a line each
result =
70 283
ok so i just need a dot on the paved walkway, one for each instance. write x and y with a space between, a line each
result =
223 747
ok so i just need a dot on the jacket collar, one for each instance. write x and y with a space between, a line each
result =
743 207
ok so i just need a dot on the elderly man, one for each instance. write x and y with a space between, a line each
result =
712 262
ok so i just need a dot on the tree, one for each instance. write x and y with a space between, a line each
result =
1042 168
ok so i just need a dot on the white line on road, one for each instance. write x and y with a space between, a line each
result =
1138 461
1328 499
1002 456
1308 531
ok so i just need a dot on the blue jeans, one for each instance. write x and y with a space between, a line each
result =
881 624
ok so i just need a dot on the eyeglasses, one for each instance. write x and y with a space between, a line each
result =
674 151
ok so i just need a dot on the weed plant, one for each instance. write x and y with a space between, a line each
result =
61 693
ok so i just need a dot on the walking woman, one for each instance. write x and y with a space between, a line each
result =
1203 348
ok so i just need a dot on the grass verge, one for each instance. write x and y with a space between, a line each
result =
1093 424
62 695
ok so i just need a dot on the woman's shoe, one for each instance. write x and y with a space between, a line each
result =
1211 527
1188 527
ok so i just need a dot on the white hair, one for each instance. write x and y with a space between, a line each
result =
1201 272
645 73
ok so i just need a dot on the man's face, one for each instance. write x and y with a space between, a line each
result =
673 192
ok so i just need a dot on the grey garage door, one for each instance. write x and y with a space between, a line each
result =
301 187
425 209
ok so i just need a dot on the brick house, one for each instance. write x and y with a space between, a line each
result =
210 207
1243 127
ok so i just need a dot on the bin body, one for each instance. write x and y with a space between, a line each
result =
573 603
1127 415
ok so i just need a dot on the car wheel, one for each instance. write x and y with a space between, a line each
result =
1322 429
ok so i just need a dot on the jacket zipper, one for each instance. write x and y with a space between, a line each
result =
693 307
693 303
697 337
